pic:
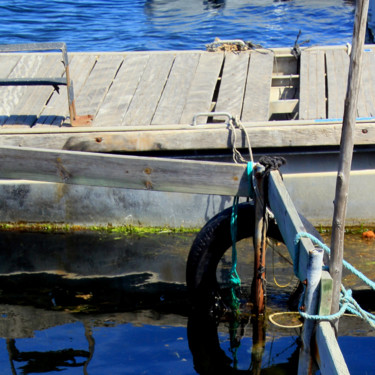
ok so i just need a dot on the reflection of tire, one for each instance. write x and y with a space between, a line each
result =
213 241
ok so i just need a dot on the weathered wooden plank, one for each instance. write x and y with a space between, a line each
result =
35 98
233 83
312 103
56 111
207 137
7 64
202 87
96 86
325 294
328 354
366 95
119 171
289 223
173 99
119 97
148 93
258 86
337 81
27 66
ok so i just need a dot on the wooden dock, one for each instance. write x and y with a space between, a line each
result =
277 97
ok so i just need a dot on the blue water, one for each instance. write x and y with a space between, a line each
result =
115 25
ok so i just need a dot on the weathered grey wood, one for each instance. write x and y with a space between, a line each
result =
27 66
149 90
119 97
233 83
7 64
258 85
306 364
96 86
35 98
312 103
144 173
329 356
56 111
202 87
337 81
174 97
208 137
331 360
366 95
289 223
346 152
325 294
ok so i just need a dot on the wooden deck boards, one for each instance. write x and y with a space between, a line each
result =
312 85
169 88
337 73
258 86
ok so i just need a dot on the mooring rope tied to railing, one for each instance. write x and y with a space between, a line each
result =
347 302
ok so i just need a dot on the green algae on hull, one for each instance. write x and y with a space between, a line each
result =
68 228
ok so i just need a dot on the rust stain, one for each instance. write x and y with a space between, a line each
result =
64 174
147 170
98 139
148 185
85 120
235 178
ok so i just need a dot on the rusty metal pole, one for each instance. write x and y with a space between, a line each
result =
346 151
259 285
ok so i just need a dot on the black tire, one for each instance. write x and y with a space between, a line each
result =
210 245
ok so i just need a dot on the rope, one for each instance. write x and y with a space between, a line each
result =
234 123
234 279
347 302
272 316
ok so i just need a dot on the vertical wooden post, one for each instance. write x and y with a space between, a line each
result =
259 239
346 151
311 301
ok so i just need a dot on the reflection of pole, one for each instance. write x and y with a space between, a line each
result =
259 343
259 244
12 350
91 341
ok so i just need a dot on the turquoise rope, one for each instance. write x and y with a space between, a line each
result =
347 302
234 279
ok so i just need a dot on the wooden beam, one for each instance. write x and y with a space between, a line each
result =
144 173
289 223
186 138
328 354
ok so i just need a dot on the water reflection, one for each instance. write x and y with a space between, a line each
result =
62 311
